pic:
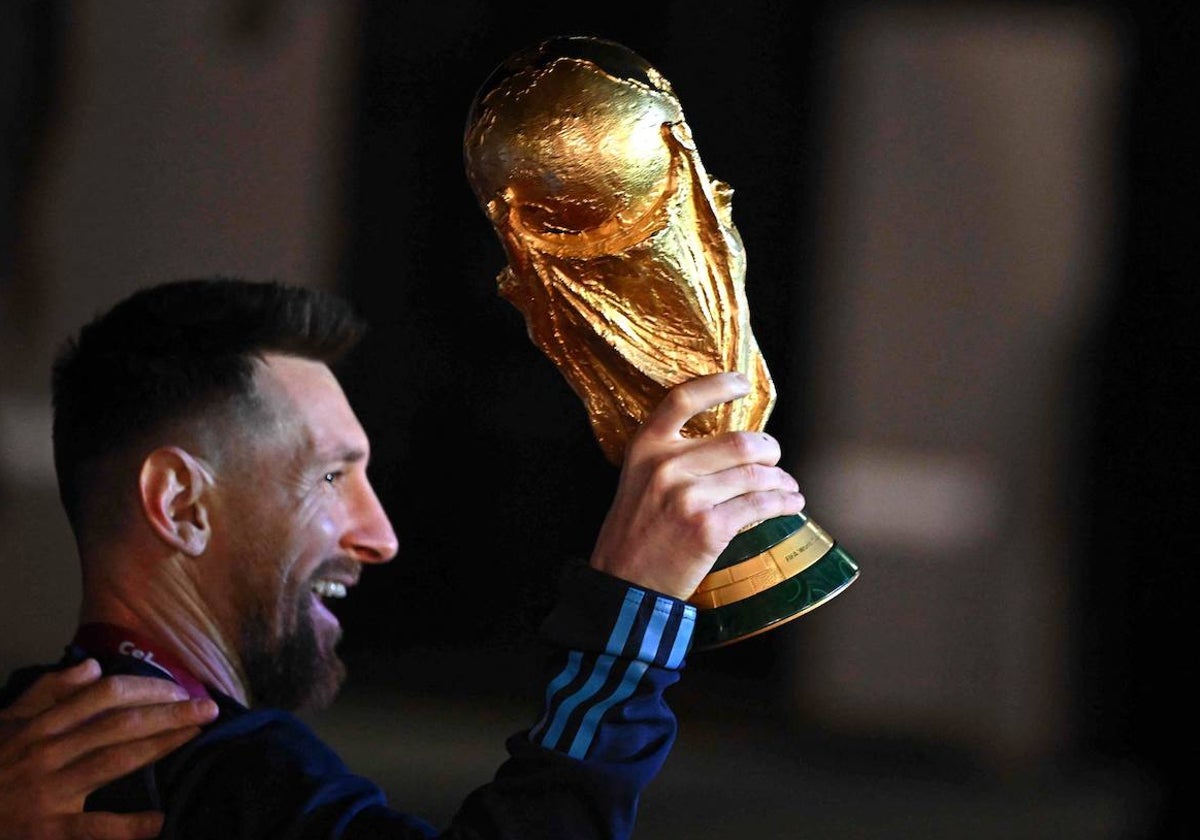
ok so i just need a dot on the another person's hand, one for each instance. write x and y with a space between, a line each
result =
72 732
680 500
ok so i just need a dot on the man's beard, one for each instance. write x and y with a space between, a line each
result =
291 671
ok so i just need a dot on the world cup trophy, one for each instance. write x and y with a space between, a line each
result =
625 262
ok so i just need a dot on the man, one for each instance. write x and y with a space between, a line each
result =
215 479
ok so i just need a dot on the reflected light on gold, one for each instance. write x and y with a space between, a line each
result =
622 253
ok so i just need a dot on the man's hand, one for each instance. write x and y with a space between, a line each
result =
72 732
681 500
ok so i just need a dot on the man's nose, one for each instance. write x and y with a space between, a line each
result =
370 539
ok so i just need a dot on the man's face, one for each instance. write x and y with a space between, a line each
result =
297 520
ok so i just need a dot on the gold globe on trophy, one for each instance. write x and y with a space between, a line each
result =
624 259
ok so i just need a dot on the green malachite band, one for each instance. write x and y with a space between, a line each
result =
754 541
789 599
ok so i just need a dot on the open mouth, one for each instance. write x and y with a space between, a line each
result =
328 585
329 588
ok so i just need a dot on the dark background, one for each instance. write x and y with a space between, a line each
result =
1140 461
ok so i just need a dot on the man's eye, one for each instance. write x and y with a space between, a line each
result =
331 477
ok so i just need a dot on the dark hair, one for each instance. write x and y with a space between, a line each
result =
174 351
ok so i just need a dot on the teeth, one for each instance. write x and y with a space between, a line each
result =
329 589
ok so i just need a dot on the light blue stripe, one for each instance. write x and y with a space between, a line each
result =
595 681
616 643
591 721
646 653
687 625
574 660
620 631
654 630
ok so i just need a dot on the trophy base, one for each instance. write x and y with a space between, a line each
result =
778 570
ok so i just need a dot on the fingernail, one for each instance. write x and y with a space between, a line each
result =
205 707
89 666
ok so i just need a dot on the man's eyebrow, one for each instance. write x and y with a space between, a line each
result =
350 456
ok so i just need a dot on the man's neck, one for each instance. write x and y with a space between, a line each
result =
169 613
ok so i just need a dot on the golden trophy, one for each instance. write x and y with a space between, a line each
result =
624 259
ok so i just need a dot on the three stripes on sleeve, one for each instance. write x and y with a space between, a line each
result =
645 647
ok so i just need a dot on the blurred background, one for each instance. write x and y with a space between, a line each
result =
971 234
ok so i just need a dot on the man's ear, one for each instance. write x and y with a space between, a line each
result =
173 486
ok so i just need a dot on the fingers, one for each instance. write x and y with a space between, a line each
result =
661 434
98 768
108 694
70 680
683 402
96 731
740 480
681 499
748 508
136 733
102 826
51 688
718 453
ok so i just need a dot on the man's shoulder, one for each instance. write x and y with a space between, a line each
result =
267 738
258 767
259 726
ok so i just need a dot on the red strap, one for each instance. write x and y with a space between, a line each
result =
100 639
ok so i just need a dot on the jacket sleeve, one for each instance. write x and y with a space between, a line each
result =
605 728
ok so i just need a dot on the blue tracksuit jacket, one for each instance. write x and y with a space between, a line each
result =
577 773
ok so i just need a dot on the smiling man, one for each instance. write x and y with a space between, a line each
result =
302 519
215 477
